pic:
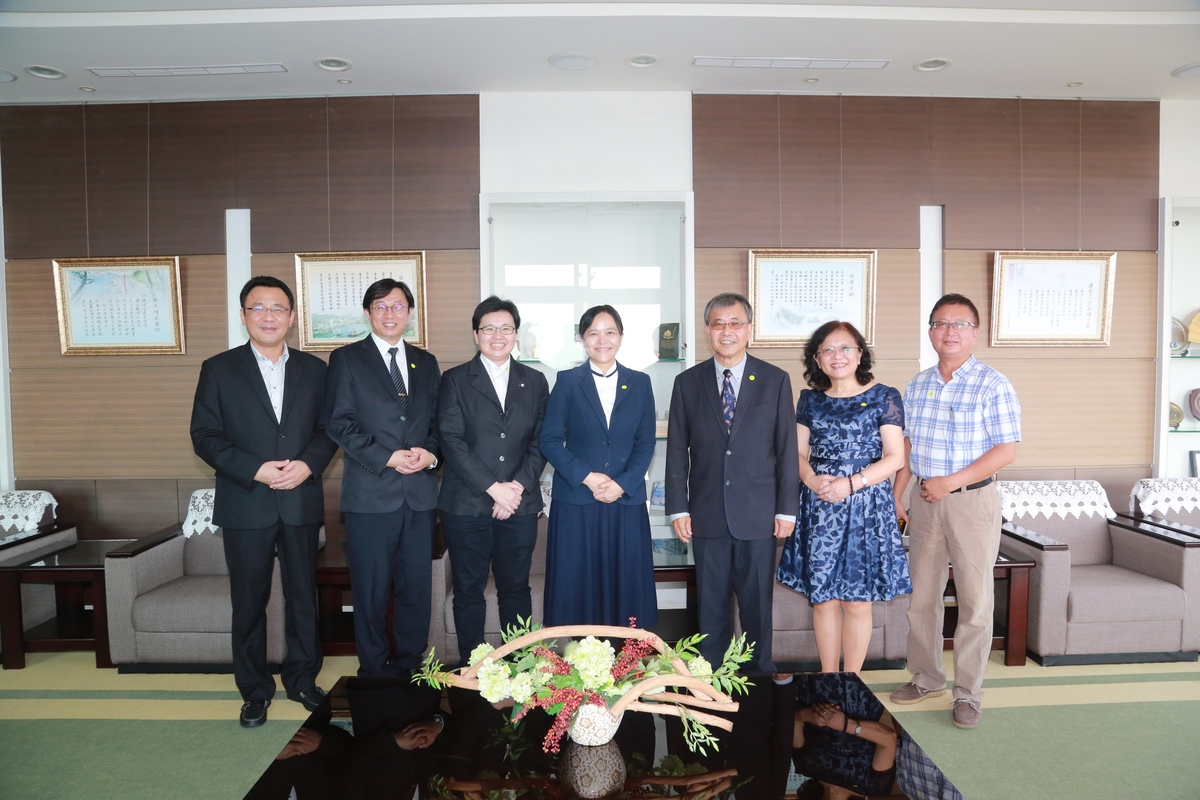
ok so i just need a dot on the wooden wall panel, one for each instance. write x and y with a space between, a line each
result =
193 176
735 170
1119 171
133 509
361 163
886 167
810 169
976 172
1050 174
45 208
118 189
282 152
453 293
437 172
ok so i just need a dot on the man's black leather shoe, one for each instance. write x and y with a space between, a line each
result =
254 713
310 698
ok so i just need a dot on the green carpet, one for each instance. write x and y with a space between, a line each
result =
134 759
1089 752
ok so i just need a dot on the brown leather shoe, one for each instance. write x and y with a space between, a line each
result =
910 693
967 713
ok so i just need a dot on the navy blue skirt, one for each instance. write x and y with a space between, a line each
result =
599 566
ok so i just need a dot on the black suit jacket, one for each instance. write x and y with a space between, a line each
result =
362 413
234 430
483 443
738 480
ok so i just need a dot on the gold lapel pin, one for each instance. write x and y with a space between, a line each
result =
623 386
751 377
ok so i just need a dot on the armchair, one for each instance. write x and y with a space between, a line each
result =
1174 502
1105 590
168 599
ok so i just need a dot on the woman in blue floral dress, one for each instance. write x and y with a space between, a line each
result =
847 550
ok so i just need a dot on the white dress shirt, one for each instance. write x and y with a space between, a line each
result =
273 375
401 359
499 376
606 387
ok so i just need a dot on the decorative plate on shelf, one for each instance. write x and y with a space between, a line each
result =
1194 403
1179 338
1176 415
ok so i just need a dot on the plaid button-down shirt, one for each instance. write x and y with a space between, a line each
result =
952 424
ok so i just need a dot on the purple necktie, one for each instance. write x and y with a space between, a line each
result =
727 400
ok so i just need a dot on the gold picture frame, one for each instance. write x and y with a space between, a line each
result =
1052 298
794 292
119 306
331 287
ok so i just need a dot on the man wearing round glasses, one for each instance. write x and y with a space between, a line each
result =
380 406
962 422
256 420
490 412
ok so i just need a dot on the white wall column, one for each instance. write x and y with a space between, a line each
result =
933 244
7 469
237 269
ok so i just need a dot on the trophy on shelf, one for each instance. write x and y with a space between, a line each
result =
668 340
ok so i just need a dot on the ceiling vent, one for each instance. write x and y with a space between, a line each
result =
176 72
767 62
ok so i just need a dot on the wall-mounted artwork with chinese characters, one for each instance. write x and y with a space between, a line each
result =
794 292
331 288
1052 298
119 306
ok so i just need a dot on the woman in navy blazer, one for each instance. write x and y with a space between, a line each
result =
598 434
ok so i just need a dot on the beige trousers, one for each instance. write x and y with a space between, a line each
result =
962 529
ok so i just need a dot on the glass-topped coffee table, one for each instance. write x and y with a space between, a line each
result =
383 738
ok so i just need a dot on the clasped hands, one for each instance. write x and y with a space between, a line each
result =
286 474
507 497
604 488
830 488
414 459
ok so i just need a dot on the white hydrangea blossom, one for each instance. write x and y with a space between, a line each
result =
495 682
521 687
593 659
478 653
699 667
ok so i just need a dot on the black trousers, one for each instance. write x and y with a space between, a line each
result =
390 552
475 544
727 566
250 556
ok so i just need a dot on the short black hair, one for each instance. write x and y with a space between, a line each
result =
490 306
269 282
726 299
382 288
813 375
590 315
954 299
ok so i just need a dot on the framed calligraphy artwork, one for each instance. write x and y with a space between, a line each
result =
331 288
119 306
1052 298
794 292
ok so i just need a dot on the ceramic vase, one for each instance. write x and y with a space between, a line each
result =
593 725
592 771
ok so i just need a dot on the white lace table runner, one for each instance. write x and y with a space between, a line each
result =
21 511
1160 495
1053 498
200 513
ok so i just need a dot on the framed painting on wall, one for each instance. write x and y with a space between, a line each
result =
119 306
794 292
1052 298
331 288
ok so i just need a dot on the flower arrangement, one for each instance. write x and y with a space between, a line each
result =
646 675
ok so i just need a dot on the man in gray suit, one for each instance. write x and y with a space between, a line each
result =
733 478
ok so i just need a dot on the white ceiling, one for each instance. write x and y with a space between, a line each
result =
1116 48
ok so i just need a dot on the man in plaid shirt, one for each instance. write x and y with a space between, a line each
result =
962 424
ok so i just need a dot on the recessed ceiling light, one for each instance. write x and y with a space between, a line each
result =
573 62
345 81
49 73
1073 84
87 88
6 76
1187 71
333 64
932 64
811 80
642 60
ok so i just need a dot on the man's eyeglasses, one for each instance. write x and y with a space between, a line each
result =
383 308
258 311
492 330
828 352
941 325
733 325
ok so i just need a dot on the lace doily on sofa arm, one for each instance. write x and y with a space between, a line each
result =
22 511
200 513
1160 495
1053 498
